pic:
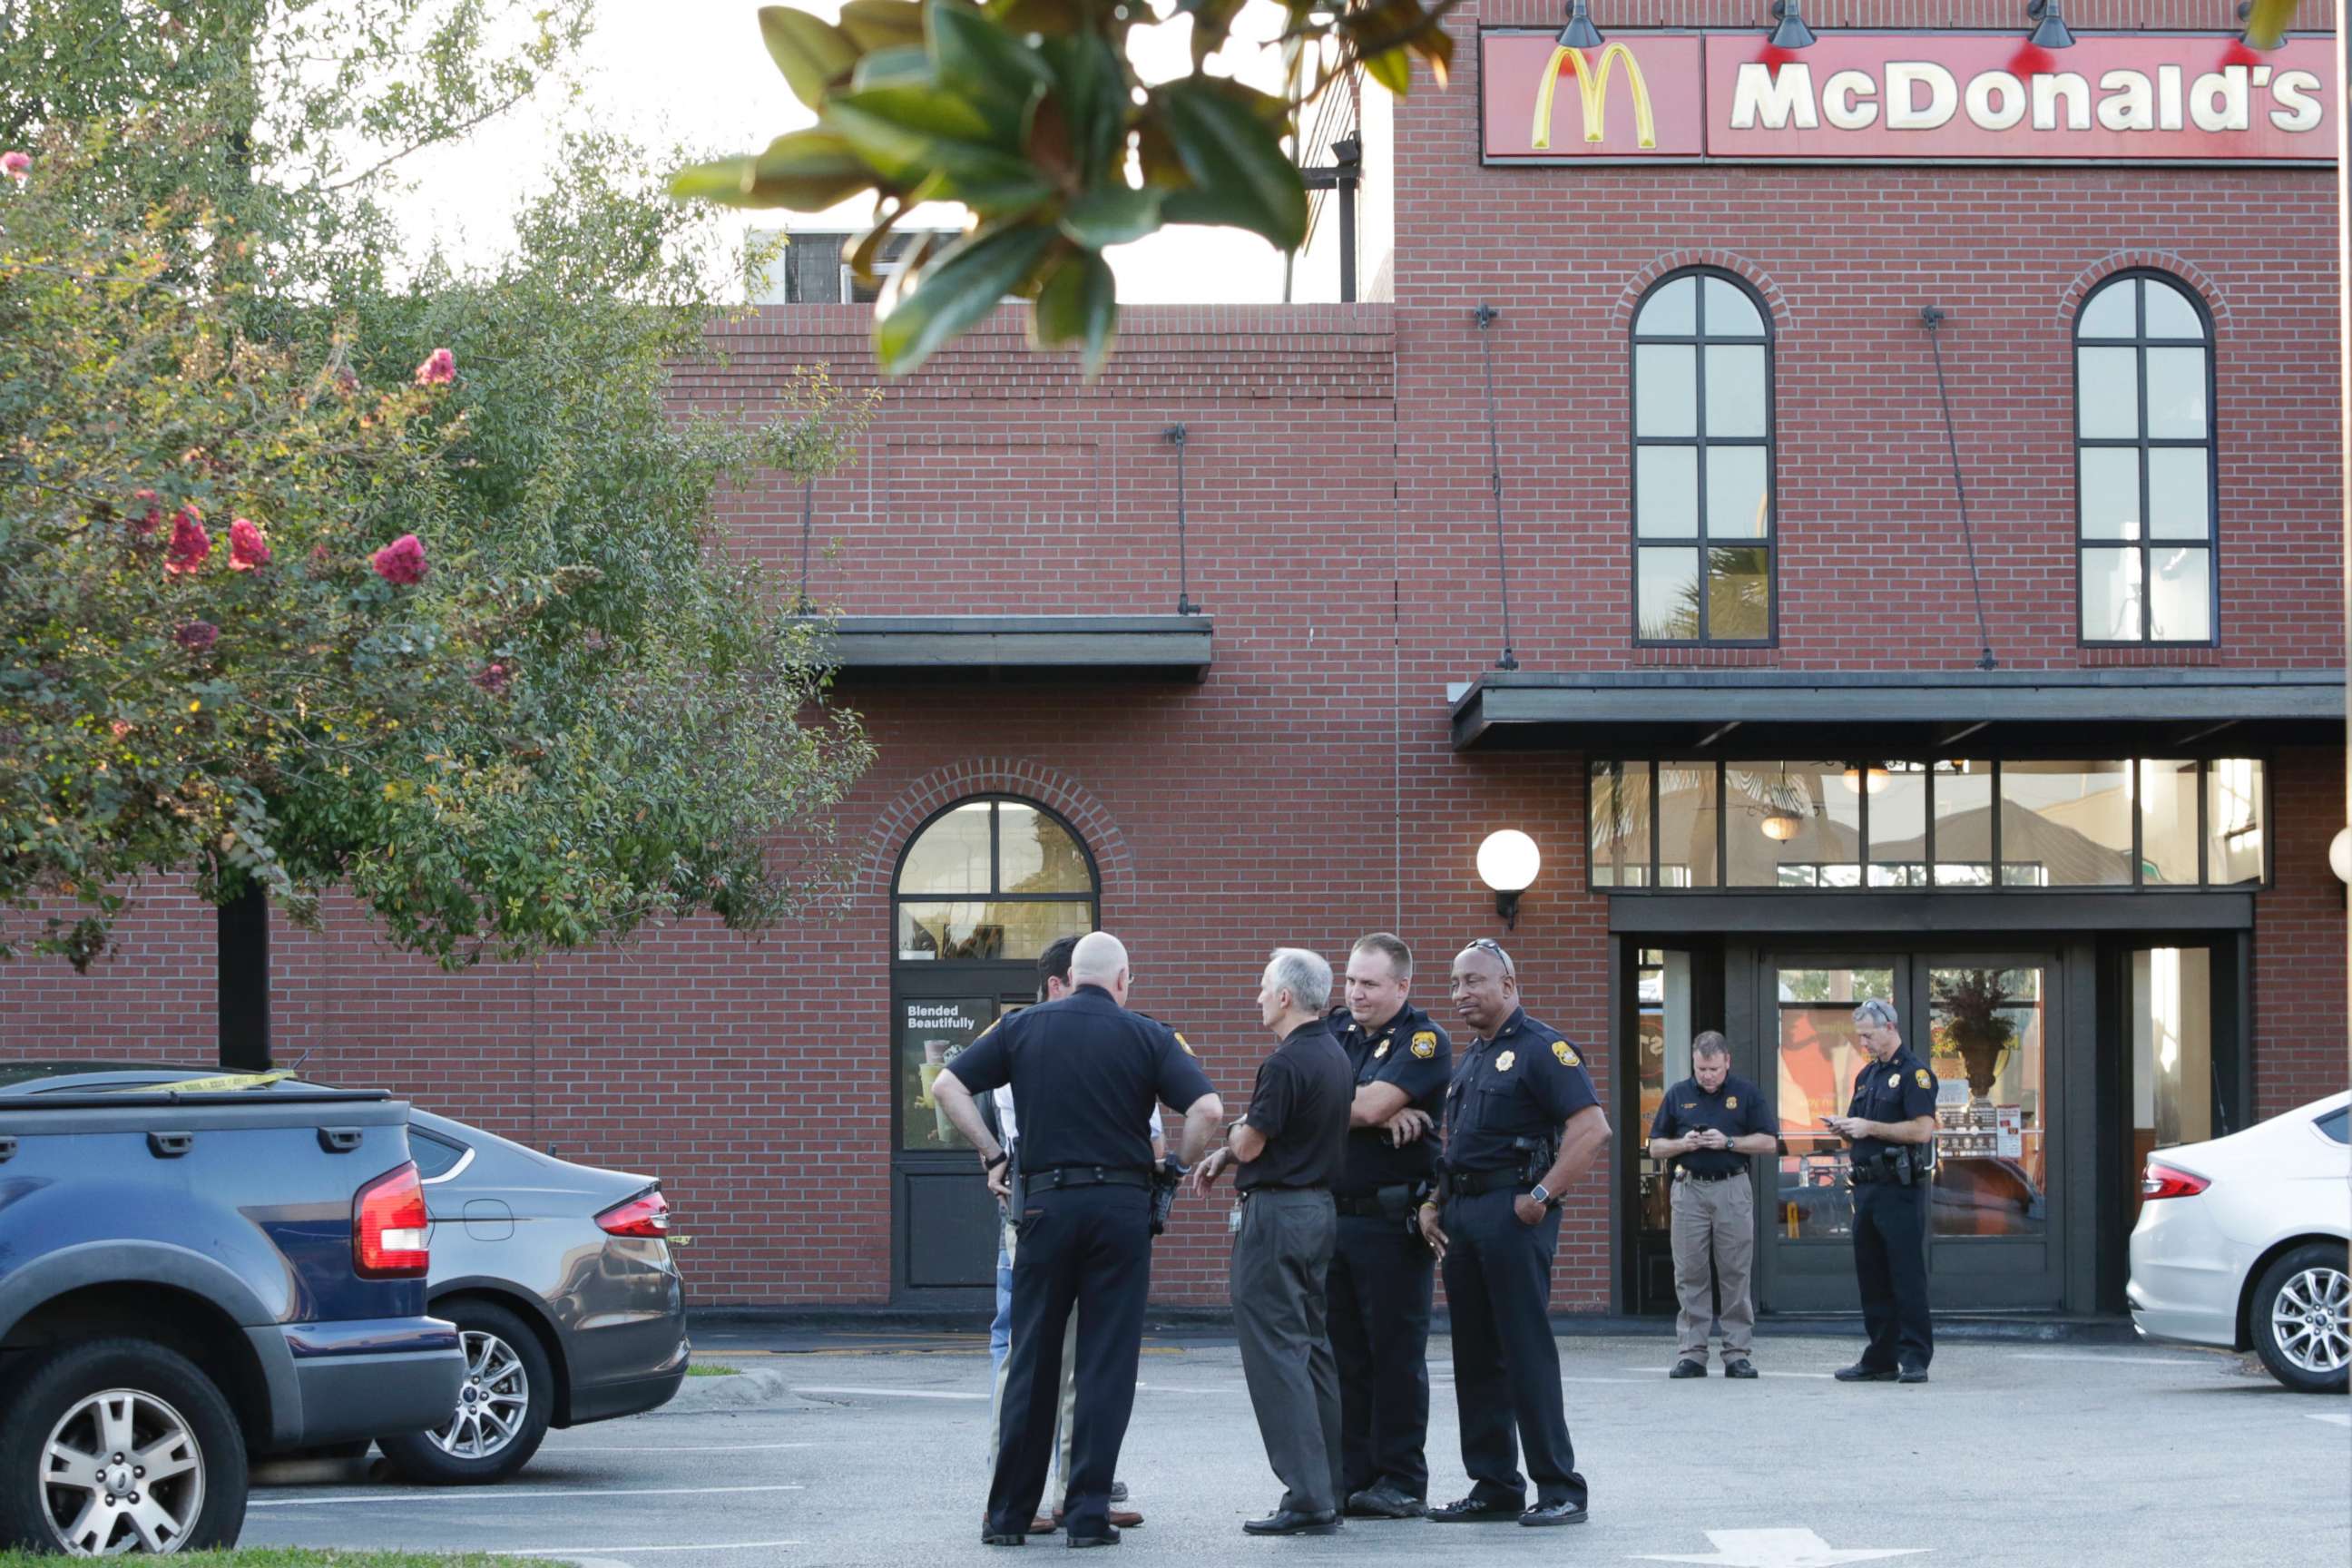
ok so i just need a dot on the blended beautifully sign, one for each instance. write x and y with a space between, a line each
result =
1939 97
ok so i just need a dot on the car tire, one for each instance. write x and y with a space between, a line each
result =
84 1396
503 1406
2299 1318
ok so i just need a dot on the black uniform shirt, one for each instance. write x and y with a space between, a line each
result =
1413 1053
1897 1089
1300 1107
1085 1073
1734 1110
1523 1083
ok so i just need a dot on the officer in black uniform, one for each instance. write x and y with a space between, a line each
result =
1085 1073
1891 1124
1382 1274
1522 1122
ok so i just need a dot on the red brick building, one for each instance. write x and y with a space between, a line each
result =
1747 725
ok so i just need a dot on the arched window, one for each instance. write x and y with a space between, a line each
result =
2144 488
1704 519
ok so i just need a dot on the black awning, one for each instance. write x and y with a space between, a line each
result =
1154 646
1906 712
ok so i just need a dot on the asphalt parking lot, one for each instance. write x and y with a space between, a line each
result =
867 1449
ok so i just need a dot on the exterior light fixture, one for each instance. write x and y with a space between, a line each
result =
1781 825
2339 854
2267 22
1508 862
1579 33
1874 779
2049 31
1789 29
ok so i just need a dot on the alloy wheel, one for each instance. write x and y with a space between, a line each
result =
492 1401
122 1472
2311 1318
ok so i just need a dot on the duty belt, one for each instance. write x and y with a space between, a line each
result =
1470 1183
1350 1204
1685 1173
1061 1176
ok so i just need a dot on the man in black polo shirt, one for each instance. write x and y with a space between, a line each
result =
1382 1273
1707 1128
1290 1148
1086 1073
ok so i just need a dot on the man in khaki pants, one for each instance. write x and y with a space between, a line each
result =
1707 1128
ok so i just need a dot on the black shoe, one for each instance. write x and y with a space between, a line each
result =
1294 1521
1738 1367
999 1538
1109 1537
1118 1491
1476 1510
1382 1500
1912 1374
1561 1511
1688 1368
1859 1373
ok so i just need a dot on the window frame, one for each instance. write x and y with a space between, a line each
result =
994 800
2139 343
1697 443
1998 887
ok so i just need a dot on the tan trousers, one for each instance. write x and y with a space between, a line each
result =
1718 1218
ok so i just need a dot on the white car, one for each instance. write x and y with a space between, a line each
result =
2240 1243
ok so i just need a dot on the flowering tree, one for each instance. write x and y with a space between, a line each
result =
309 581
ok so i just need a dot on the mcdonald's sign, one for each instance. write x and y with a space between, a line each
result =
1592 95
1638 97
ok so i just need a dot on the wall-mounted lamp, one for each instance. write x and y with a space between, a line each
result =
1580 33
2050 29
1789 29
2267 22
2339 854
1508 862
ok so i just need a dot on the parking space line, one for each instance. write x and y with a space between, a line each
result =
2331 1420
892 1393
632 1550
683 1448
2119 1357
411 1494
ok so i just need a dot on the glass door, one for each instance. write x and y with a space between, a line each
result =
1808 1002
1992 1225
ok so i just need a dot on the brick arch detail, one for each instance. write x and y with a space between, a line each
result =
1022 776
1784 319
2174 266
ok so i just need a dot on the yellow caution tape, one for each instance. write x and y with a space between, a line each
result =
209 1085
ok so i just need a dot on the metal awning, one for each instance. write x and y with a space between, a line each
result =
1756 712
1172 648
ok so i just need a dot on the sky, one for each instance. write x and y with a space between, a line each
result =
695 72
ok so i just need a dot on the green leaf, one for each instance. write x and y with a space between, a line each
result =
960 288
1079 304
1241 178
985 177
883 24
807 171
906 66
1212 22
981 60
1112 215
812 54
1392 69
1091 89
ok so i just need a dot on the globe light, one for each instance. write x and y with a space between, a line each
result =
1508 862
2339 854
1873 779
1781 825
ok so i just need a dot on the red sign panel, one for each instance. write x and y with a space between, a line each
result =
1974 97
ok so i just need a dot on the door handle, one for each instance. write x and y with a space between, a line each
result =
170 1145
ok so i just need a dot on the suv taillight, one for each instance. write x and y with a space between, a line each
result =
645 1215
388 1226
2163 1181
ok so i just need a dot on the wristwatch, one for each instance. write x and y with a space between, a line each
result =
1002 1157
1540 1195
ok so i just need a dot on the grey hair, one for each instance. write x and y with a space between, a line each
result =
1874 1012
1306 975
1710 1043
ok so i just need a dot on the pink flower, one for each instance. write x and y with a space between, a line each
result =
439 369
190 546
494 677
15 165
151 514
402 562
246 549
196 637
118 727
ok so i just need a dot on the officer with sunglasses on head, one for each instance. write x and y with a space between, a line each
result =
1522 1122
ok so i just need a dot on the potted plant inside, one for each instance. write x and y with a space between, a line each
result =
1975 1024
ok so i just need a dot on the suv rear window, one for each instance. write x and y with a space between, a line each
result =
2333 1124
434 1156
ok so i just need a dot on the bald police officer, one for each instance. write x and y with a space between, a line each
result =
1086 1073
1891 1124
1522 1122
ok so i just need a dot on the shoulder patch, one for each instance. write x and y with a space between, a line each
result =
1424 1043
1565 1053
1922 1076
1180 1041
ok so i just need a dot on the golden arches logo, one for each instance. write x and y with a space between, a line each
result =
1592 90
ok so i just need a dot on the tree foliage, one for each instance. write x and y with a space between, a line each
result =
308 581
1032 114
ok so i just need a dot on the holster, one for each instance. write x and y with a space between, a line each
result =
1015 1180
1166 1177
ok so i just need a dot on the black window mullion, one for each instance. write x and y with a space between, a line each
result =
1657 847
1862 815
2000 879
1698 451
2136 777
995 841
1722 819
1927 833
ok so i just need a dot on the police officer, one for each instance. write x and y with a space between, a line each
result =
1382 1274
1522 1122
1705 1128
1891 1125
1086 1073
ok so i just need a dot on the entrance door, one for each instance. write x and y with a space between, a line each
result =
1989 1034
